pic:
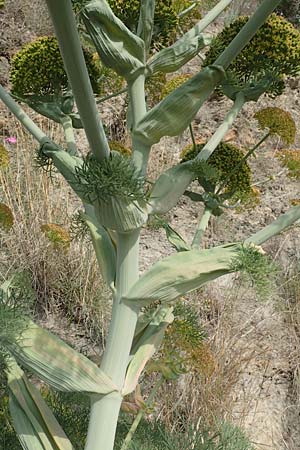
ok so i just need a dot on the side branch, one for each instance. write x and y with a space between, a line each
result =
21 115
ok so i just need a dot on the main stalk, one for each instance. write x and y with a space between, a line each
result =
105 409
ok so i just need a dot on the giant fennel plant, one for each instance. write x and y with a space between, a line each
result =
118 201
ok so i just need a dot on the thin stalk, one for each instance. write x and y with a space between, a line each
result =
141 151
282 223
21 115
66 122
141 414
247 32
61 159
105 410
236 168
68 38
209 17
187 10
203 223
108 97
217 137
192 136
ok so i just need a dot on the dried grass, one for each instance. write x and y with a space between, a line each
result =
68 282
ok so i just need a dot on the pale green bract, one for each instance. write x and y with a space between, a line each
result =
120 215
35 424
179 274
57 363
147 345
172 58
169 187
117 46
104 249
176 111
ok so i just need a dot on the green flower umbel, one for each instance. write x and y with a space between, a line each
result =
274 50
219 168
38 69
279 122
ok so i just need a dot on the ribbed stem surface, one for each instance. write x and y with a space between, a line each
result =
69 43
105 410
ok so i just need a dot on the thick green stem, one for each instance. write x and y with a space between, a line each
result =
247 32
21 115
203 223
236 168
105 410
136 91
145 24
141 414
217 137
66 32
66 122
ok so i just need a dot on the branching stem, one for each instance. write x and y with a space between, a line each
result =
141 414
217 137
192 136
108 97
66 122
203 223
21 115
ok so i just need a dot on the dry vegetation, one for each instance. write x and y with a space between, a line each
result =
68 285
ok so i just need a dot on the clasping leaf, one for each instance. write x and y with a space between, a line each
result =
174 113
117 46
147 345
34 422
181 273
57 363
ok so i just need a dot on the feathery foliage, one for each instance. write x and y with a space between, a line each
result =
114 177
257 268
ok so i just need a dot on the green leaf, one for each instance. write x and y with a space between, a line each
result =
175 239
169 187
175 112
172 58
34 422
145 25
104 249
117 46
57 363
148 344
179 274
